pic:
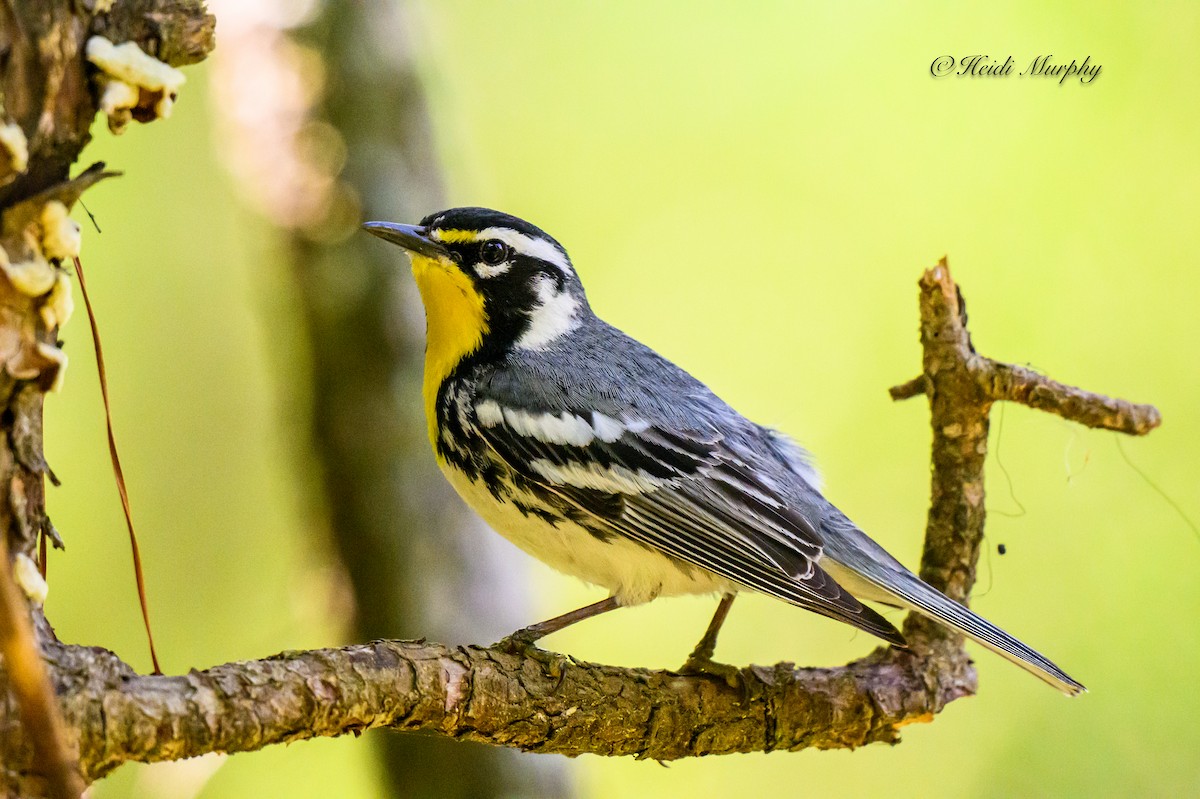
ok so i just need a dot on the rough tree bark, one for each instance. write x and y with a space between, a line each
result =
540 702
47 103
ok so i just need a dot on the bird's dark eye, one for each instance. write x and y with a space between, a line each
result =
493 252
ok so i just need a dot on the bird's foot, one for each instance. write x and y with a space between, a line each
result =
699 664
524 643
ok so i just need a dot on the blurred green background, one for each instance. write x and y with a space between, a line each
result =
753 191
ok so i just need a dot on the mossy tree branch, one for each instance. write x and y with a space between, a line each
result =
552 703
543 703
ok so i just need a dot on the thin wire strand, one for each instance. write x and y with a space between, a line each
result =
1166 497
987 559
1087 453
1012 491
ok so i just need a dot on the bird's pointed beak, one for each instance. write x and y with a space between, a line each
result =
413 238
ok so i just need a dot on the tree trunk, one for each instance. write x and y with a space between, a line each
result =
47 104
419 562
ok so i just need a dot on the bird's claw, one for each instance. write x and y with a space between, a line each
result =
526 646
519 643
702 665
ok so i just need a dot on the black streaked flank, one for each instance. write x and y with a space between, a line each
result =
532 510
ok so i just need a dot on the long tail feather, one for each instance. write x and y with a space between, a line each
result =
914 594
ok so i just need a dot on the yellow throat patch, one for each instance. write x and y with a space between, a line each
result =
455 324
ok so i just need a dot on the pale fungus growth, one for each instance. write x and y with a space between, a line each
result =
128 63
61 236
57 308
29 577
33 277
14 147
117 101
134 85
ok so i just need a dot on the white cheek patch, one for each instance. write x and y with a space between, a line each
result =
610 479
555 315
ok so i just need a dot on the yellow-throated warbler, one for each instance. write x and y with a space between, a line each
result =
598 456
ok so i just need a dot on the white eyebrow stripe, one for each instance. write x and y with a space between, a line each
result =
528 245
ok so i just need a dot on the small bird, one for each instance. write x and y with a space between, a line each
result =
606 461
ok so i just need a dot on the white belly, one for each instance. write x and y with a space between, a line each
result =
631 572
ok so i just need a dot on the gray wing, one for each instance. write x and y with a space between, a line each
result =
682 490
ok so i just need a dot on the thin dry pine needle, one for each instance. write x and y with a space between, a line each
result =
118 473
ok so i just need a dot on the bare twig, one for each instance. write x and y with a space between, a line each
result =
1020 384
913 388
962 386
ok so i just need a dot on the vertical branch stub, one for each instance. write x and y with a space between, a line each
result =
959 419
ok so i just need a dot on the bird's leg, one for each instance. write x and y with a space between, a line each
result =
708 643
701 662
525 637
